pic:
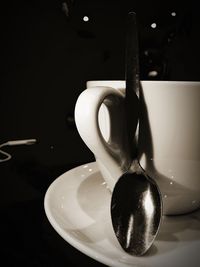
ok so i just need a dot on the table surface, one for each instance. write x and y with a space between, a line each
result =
27 237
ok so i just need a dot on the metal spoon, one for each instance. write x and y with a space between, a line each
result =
136 205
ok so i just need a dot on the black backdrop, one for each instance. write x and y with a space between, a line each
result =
48 52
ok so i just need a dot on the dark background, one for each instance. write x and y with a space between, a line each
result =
48 52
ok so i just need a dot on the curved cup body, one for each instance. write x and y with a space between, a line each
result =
168 143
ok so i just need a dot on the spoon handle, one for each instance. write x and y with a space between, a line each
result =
132 56
132 82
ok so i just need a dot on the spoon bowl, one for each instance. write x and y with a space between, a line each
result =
136 210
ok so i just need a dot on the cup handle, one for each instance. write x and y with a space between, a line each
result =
113 154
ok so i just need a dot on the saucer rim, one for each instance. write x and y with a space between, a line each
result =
92 253
78 244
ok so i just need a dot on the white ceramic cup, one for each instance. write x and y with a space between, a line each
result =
168 140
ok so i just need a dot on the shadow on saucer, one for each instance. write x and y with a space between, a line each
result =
94 199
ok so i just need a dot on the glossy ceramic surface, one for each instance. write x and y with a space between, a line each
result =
169 130
77 205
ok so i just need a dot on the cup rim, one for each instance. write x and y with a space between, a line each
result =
144 81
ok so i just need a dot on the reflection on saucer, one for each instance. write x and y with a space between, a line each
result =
77 205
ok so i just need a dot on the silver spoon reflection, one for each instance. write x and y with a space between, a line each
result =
136 210
136 204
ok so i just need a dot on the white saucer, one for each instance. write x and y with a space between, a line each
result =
77 205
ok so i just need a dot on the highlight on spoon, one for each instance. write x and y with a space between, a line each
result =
136 211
